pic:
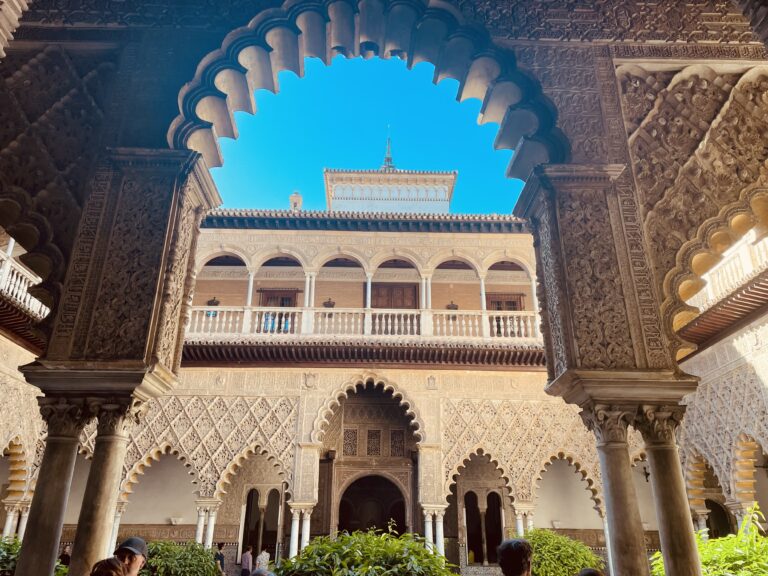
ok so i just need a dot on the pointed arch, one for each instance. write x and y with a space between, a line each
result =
349 387
478 450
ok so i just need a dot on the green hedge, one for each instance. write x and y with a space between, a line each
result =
170 559
369 553
556 555
741 554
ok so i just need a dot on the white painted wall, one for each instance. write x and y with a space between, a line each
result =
563 497
164 491
80 477
645 497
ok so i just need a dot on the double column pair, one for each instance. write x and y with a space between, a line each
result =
433 528
16 518
65 419
300 516
206 521
657 424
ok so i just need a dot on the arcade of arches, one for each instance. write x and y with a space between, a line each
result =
638 128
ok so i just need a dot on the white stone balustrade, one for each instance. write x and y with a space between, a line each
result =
207 321
15 281
743 261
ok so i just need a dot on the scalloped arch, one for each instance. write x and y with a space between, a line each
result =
479 451
153 455
237 462
593 485
278 39
326 411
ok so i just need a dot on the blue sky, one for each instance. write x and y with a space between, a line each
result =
337 117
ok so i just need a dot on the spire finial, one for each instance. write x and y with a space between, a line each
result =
388 163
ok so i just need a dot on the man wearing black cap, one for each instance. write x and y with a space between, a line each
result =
133 554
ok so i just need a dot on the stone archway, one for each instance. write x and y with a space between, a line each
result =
373 502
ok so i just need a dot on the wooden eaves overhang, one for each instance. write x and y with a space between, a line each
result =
362 352
18 325
737 309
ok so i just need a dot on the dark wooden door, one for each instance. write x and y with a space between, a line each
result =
399 296
504 302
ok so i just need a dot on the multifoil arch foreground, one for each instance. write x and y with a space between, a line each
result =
278 39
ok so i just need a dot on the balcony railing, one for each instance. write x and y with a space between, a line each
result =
740 264
15 281
259 323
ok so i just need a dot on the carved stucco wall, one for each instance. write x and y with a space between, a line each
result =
731 401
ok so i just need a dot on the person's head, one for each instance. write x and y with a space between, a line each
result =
249 548
590 572
220 545
109 567
133 554
67 549
515 557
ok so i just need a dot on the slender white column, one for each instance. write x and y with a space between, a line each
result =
429 292
200 528
368 281
7 264
305 526
701 525
210 528
439 536
482 294
519 525
12 516
503 521
23 522
529 520
428 530
608 547
534 296
294 545
112 544
249 295
307 287
313 285
423 295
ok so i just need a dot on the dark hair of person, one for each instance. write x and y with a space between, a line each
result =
590 572
221 545
109 567
125 555
515 557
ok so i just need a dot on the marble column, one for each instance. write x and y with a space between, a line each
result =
701 523
625 529
307 288
200 528
66 419
483 306
519 525
262 513
210 527
608 551
484 535
429 292
368 281
305 526
294 544
439 534
97 513
11 518
529 520
678 543
428 533
249 295
112 543
23 519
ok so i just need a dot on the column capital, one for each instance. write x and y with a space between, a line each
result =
658 423
207 504
117 415
65 417
608 422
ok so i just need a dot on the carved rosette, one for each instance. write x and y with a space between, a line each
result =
609 423
116 416
64 417
658 424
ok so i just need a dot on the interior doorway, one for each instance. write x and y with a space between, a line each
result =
372 502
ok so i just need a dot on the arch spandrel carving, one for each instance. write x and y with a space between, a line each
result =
325 414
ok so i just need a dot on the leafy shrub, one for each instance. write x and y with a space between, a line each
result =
170 559
9 555
368 553
741 554
557 555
